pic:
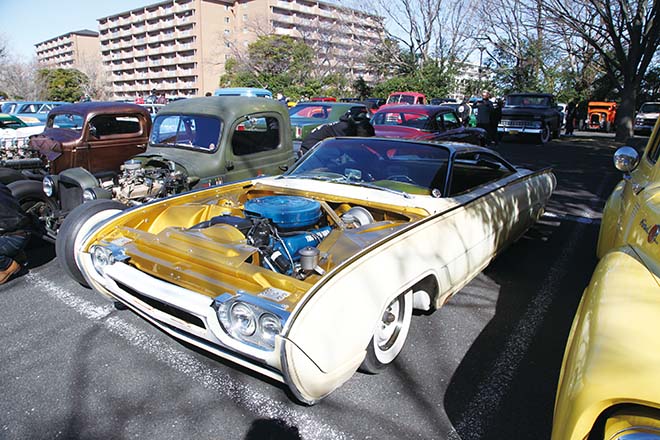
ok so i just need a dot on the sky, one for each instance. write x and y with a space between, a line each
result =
23 23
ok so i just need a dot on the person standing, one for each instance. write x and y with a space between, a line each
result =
571 111
485 114
15 226
354 122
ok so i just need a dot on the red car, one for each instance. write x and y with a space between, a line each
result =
427 122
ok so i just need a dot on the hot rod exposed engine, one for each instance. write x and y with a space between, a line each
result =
286 230
138 183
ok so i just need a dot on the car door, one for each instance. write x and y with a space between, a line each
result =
498 206
256 148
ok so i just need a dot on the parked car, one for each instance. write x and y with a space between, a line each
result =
646 117
14 145
243 91
600 116
323 99
95 137
194 143
306 277
405 98
533 114
35 112
425 122
306 116
609 385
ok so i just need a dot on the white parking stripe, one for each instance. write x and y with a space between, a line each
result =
210 378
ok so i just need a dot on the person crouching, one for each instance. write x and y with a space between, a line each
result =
15 226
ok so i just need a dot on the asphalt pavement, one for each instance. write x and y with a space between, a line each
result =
485 366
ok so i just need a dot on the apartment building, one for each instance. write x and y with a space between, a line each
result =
69 50
180 47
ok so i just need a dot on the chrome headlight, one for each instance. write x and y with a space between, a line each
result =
535 124
106 255
48 185
250 319
88 195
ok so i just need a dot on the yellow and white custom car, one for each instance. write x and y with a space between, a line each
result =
609 387
310 275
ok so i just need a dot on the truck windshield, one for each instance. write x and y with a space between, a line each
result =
401 99
650 108
71 121
186 131
527 101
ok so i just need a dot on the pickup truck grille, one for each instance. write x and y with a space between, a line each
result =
515 123
70 195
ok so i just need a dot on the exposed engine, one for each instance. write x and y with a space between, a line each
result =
15 151
138 184
286 230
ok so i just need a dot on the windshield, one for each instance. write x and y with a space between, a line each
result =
405 119
406 167
186 131
527 101
66 120
317 111
400 98
650 108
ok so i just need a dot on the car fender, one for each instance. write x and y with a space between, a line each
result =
610 223
611 355
327 336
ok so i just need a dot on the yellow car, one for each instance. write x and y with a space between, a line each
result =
609 387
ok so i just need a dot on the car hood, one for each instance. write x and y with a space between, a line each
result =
184 160
524 111
50 142
648 115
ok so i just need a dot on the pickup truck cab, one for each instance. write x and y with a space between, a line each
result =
608 385
97 136
406 98
194 143
533 114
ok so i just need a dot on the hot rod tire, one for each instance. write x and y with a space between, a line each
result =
390 336
31 197
74 226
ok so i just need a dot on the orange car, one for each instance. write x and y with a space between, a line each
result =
600 116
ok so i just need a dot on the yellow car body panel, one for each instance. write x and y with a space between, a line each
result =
612 355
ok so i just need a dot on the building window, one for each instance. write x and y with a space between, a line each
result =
226 31
226 19
245 17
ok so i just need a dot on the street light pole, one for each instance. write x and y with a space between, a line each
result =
481 54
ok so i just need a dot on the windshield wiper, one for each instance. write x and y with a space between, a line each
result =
378 187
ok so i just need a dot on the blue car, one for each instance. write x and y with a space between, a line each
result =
31 112
243 91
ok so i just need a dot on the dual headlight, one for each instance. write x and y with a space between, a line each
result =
103 256
250 319
534 124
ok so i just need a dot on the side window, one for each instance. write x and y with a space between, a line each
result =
113 125
257 134
472 170
451 121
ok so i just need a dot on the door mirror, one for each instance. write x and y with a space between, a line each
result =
626 159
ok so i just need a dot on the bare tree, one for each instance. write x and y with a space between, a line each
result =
98 85
442 31
21 80
624 33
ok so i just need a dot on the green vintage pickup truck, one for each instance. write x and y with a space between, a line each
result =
194 143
